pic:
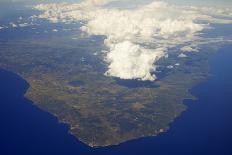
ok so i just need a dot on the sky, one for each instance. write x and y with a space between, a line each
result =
202 2
181 2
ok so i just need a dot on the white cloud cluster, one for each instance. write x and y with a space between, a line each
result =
182 55
13 25
19 23
128 60
189 49
24 25
136 37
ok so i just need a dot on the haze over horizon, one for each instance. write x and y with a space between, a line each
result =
181 2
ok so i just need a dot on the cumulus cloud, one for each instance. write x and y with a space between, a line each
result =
24 25
128 60
170 67
189 49
182 55
136 37
55 30
13 25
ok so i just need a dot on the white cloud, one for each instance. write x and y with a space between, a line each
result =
13 25
130 61
20 18
189 49
182 55
55 30
136 37
170 67
24 25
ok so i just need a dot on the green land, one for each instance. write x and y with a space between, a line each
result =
67 80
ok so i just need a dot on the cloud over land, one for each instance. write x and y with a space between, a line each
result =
136 37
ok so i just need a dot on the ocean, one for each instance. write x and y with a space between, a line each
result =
205 128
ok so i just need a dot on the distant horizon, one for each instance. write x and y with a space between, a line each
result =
227 3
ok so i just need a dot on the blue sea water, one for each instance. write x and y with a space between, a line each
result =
205 128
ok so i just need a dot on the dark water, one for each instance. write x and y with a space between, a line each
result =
205 128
